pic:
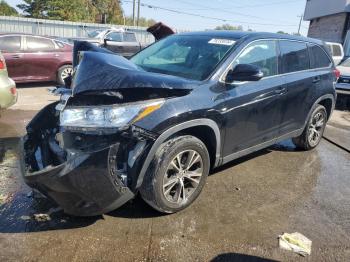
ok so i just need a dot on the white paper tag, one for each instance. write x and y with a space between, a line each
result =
218 41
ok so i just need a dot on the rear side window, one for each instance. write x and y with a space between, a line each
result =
319 58
10 43
295 56
129 37
39 44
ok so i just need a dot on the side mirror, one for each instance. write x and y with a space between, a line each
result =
244 72
106 40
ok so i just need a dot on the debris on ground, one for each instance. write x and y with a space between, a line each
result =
295 242
42 217
2 199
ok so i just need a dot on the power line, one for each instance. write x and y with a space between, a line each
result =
204 16
268 4
226 11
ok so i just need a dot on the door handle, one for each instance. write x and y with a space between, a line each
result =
316 79
56 55
280 91
16 56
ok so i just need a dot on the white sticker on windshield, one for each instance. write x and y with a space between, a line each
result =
217 41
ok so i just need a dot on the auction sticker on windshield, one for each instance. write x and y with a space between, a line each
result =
217 41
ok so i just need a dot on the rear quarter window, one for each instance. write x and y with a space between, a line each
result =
319 58
10 43
39 44
295 56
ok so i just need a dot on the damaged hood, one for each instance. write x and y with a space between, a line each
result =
102 71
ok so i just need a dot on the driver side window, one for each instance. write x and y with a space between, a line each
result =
262 54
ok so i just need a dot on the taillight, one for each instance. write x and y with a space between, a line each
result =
2 64
13 91
336 73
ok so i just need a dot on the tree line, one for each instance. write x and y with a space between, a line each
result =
90 11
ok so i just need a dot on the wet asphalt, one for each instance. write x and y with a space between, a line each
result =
243 208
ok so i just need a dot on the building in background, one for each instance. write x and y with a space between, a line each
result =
329 21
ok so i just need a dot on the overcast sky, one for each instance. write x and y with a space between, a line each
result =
259 15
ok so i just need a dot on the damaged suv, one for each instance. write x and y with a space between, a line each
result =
157 123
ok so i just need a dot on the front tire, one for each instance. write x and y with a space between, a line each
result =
63 72
313 132
176 175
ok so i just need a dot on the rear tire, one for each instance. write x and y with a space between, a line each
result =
169 185
63 72
313 132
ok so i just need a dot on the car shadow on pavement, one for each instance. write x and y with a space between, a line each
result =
39 84
239 258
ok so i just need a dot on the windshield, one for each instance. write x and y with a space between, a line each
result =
193 57
94 33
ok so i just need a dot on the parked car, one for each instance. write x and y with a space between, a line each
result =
8 92
157 123
116 40
33 58
343 83
337 52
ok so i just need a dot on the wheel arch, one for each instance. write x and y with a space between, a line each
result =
328 101
197 128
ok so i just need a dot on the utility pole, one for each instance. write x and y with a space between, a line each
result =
133 12
138 12
301 19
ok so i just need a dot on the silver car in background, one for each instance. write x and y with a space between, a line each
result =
343 84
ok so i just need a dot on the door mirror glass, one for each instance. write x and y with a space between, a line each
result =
244 72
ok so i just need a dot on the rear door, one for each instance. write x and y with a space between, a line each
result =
11 48
300 83
41 58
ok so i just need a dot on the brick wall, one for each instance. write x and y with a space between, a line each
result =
328 28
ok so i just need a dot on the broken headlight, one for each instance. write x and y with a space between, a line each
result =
107 116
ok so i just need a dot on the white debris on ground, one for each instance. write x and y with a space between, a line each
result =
295 242
42 217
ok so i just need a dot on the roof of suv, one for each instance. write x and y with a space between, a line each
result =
254 35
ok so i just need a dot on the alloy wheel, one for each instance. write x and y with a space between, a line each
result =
66 72
182 177
316 128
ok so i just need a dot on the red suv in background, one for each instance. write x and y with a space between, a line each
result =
32 58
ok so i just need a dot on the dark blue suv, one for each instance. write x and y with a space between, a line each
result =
157 123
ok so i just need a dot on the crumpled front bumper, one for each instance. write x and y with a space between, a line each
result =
83 182
82 186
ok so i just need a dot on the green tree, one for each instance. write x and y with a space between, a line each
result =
110 10
68 10
229 27
282 32
34 8
6 9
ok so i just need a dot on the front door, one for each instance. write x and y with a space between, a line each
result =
253 111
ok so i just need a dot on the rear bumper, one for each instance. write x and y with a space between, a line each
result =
85 174
7 99
342 88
